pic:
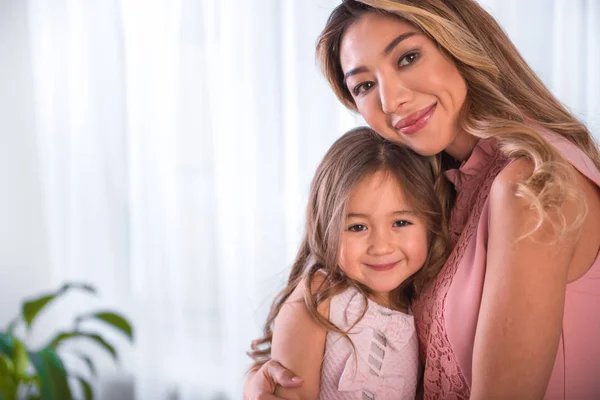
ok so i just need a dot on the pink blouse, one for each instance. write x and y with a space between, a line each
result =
446 314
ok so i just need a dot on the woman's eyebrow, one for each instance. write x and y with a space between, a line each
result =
388 49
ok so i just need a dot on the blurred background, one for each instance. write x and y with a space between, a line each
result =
162 150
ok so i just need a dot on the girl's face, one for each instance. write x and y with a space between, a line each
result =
403 85
384 241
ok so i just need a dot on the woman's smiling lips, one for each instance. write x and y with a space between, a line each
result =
382 267
415 121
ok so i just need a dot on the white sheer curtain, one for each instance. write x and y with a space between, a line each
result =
561 41
177 140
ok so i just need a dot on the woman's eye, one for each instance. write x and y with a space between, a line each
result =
407 59
357 228
361 88
401 223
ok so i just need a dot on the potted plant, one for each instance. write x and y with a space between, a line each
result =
41 374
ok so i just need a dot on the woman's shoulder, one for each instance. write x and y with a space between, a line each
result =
575 207
504 186
573 154
506 181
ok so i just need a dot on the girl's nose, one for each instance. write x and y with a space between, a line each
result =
380 243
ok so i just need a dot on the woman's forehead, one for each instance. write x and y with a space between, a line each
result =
370 35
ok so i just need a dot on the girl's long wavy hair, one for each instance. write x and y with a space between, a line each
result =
354 157
505 98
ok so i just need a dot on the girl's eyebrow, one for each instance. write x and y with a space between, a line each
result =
399 212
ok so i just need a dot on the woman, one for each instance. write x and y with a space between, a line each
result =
514 311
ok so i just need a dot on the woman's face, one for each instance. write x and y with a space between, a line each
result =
403 85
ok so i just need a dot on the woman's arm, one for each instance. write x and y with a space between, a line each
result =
299 343
520 318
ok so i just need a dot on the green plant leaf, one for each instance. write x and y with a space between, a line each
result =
8 389
8 379
6 344
87 388
115 320
7 367
52 374
79 286
20 358
33 307
61 337
8 382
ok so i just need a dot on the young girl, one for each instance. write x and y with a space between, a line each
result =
375 235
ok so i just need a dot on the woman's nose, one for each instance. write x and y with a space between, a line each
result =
393 94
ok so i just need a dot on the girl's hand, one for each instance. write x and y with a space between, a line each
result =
260 385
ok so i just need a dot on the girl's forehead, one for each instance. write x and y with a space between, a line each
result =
381 188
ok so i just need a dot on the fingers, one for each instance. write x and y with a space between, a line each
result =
260 385
279 375
268 396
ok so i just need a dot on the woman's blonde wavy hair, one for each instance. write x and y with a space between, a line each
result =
354 157
505 98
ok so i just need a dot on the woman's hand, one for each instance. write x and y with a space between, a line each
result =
260 385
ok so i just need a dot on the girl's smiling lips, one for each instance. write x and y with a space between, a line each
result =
382 267
415 121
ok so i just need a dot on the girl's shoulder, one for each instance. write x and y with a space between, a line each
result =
318 283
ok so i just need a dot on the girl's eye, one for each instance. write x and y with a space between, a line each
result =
361 88
401 223
357 228
408 59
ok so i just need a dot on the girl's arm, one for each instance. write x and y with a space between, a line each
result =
299 343
520 318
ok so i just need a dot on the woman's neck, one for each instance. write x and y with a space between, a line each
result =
462 146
